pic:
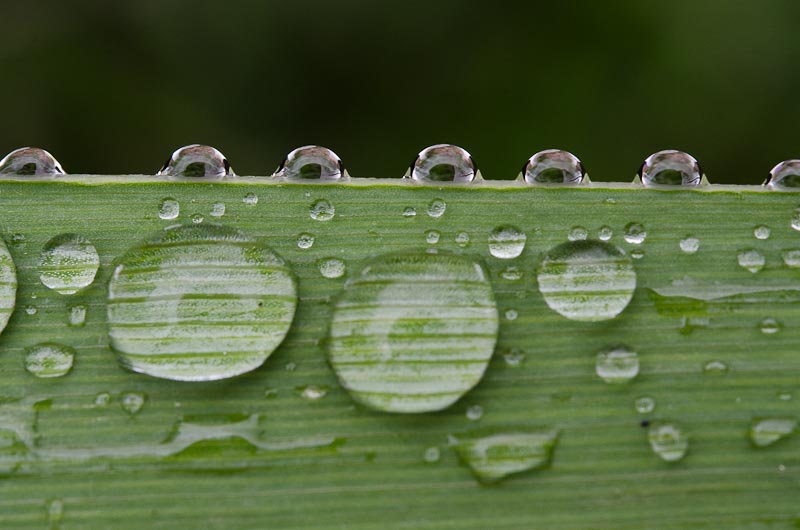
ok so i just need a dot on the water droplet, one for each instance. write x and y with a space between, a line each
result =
68 263
668 441
270 393
511 314
55 513
413 332
311 162
77 315
197 161
17 240
637 253
587 280
715 367
409 212
605 233
217 209
795 222
322 210
635 234
769 326
132 402
199 303
492 455
644 404
761 232
305 241
197 218
785 175
290 367
554 166
169 209
617 365
462 239
474 413
49 359
331 267
791 258
514 357
784 395
506 242
690 244
436 208
511 274
102 399
766 431
30 161
751 260
31 310
8 285
670 168
431 455
313 392
577 233
250 199
443 162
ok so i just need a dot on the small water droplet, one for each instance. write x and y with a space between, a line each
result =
506 242
432 237
17 240
217 209
270 393
766 431
784 395
55 513
31 310
132 402
102 399
197 218
436 208
511 274
637 253
715 367
761 232
769 326
68 263
290 367
431 455
668 441
305 241
331 267
644 404
690 244
197 161
77 315
443 162
49 359
322 210
751 259
670 168
250 199
635 234
311 162
577 233
409 212
462 239
511 314
785 175
474 412
617 365
30 161
605 233
554 166
313 392
169 208
514 357
791 258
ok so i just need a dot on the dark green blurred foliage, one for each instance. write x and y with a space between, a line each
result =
114 87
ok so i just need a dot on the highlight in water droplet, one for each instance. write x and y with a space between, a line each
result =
311 162
506 242
577 233
68 263
77 315
670 168
668 441
761 232
196 161
554 166
250 199
785 176
635 233
443 162
617 365
30 161
49 359
169 209
132 402
217 209
767 431
690 244
605 233
409 212
751 259
432 237
322 210
331 267
305 241
437 208
644 404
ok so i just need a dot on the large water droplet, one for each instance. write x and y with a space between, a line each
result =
506 242
444 162
785 175
437 208
766 431
413 332
587 280
8 285
198 303
169 209
68 263
322 210
49 359
311 162
331 267
617 365
132 402
751 260
635 234
492 455
690 245
197 161
668 441
30 161
554 166
670 168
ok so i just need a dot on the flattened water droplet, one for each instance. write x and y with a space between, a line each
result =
199 303
413 332
436 208
462 239
250 199
644 404
169 209
577 233
506 242
617 365
474 413
791 258
761 232
8 285
587 280
635 234
311 162
668 441
431 455
553 166
305 241
690 245
313 392
322 210
785 176
77 315
132 402
432 236
715 367
30 161
49 359
670 168
769 326
197 161
217 209
751 260
443 162
409 212
605 233
68 263
331 267
511 274
766 431
492 455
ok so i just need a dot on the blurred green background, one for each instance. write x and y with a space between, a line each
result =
114 87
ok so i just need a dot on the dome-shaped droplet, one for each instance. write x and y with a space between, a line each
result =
444 162
785 176
197 161
169 209
8 285
689 244
668 441
311 162
413 332
751 259
68 263
199 303
322 210
554 166
506 242
30 161
766 431
331 267
587 280
617 365
49 359
670 168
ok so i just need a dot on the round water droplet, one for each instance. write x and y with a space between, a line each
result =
49 359
617 365
605 233
668 441
8 285
511 314
751 260
413 332
197 218
431 455
644 404
769 326
506 242
199 303
715 367
132 402
785 175
587 280
432 237
690 245
670 168
217 209
305 241
577 233
514 357
444 162
474 413
553 166
68 263
197 161
311 162
437 208
462 239
77 315
250 199
31 310
313 392
761 232
331 267
30 161
766 431
322 210
409 212
511 274
791 258
635 234
169 209
102 399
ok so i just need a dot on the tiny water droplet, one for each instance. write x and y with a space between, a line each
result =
553 166
769 326
690 245
474 412
436 208
637 253
605 233
432 237
290 367
506 242
635 234
751 259
511 274
132 402
644 404
311 162
31 310
462 239
322 210
577 233
313 392
68 263
761 232
250 199
197 161
305 241
169 208
785 175
217 209
514 357
77 315
668 441
30 161
102 399
197 218
791 258
766 431
49 359
331 267
670 168
431 455
617 365
443 162
715 367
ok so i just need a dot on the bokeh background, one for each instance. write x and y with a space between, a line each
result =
115 86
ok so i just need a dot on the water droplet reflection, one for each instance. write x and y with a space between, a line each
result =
670 168
443 162
554 166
